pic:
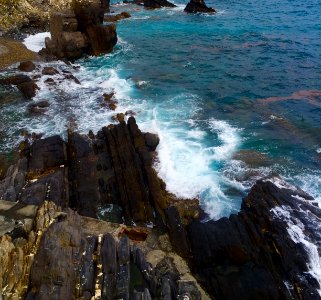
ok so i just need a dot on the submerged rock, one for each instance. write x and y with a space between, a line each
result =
198 6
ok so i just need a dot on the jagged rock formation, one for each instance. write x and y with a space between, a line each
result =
55 254
158 4
264 252
34 14
24 83
112 168
259 253
198 6
80 31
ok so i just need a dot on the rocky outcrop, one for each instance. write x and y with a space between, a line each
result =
117 17
90 218
24 83
264 252
198 6
19 242
158 4
80 31
112 168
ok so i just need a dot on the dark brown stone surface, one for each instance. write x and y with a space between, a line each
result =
198 6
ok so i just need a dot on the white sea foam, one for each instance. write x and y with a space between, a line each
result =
318 150
296 229
37 41
229 138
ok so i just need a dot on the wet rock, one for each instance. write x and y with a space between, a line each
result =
49 71
72 77
151 140
158 4
27 66
50 81
130 113
23 82
115 18
252 255
119 117
198 6
109 101
38 107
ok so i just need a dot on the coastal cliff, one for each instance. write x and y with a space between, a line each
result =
90 218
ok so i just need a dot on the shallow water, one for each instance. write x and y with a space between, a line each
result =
247 78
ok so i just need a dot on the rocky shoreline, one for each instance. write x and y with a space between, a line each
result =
96 204
88 217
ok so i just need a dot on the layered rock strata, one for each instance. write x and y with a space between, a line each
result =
80 31
125 237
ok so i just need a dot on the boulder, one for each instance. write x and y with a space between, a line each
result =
38 107
158 4
151 140
115 18
49 71
198 6
24 83
27 66
259 253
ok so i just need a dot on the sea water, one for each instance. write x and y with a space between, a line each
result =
233 96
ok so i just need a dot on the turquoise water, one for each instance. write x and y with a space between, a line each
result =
234 96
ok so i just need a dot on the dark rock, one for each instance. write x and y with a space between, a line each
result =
177 232
27 66
28 89
83 175
115 18
151 140
72 77
102 39
188 290
80 31
49 71
46 154
130 113
119 117
251 255
38 107
54 272
158 3
198 6
50 81
23 82
109 266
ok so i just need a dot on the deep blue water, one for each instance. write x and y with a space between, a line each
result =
234 96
